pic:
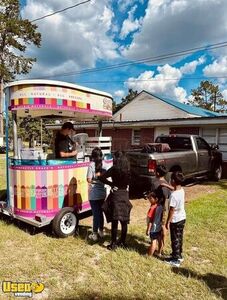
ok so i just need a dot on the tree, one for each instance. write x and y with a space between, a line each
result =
29 130
131 95
208 96
15 35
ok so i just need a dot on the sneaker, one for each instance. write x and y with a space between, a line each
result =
93 237
173 262
101 234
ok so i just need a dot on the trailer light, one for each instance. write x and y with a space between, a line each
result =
40 218
152 165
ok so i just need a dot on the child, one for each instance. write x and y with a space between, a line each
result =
162 190
176 218
97 193
154 224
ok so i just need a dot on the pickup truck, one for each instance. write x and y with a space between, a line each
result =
190 154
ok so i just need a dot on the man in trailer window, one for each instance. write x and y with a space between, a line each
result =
65 148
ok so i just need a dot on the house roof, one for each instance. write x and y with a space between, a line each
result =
194 110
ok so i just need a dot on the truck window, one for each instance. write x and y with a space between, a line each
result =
176 142
201 144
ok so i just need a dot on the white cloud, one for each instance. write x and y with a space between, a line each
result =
175 25
224 93
217 68
71 40
119 93
160 84
129 25
189 68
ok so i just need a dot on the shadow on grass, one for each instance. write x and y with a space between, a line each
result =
216 283
2 195
133 242
221 183
30 229
33 230
98 296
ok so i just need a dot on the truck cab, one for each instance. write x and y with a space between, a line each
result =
189 154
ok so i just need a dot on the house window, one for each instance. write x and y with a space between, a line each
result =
136 137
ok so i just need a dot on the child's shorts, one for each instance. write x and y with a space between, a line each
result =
155 235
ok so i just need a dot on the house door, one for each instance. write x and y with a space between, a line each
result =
160 130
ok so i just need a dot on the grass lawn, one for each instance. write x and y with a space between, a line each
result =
74 269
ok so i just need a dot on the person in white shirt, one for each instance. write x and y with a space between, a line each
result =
176 218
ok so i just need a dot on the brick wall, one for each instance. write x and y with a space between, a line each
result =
121 138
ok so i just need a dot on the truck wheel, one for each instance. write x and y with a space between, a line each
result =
217 173
65 222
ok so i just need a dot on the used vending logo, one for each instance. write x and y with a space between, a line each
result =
22 289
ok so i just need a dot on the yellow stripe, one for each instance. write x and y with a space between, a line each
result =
18 178
49 189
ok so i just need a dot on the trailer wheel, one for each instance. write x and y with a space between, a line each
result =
65 222
217 173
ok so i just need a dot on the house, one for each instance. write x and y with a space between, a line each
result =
148 116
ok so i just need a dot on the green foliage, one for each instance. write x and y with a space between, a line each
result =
29 130
74 269
15 35
131 95
208 96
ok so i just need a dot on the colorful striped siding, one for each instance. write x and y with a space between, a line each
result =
50 102
46 191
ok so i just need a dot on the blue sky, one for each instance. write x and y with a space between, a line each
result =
106 33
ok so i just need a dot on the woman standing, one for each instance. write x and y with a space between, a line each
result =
117 205
97 193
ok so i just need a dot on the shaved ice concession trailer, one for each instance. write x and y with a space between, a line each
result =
42 191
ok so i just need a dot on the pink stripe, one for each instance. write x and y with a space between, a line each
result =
38 179
108 161
60 167
71 108
32 214
47 213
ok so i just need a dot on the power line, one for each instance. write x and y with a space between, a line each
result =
143 60
152 79
61 10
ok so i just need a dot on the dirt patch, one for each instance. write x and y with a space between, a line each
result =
140 206
192 191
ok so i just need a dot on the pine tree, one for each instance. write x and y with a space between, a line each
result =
208 96
131 95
